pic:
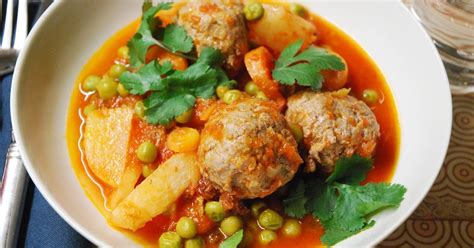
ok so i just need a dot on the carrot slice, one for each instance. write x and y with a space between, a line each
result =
259 63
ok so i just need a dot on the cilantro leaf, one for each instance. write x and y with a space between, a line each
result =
342 206
304 68
162 107
351 170
143 39
233 241
140 82
176 38
210 56
294 205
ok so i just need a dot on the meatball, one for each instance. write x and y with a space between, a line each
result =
334 125
247 151
219 24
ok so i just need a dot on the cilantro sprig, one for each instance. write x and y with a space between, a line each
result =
339 202
151 33
304 67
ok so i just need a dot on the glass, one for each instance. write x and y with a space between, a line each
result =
451 25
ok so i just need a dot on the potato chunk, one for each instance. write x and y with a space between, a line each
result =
285 28
106 138
157 192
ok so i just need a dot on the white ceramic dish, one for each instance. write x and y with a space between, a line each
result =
71 31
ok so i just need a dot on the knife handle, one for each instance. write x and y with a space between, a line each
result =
12 194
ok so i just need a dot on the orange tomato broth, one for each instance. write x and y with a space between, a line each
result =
363 74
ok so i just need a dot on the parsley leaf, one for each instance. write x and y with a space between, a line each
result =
143 39
140 82
233 241
304 68
351 170
294 205
176 38
341 204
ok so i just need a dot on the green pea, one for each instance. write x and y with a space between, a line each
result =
146 171
291 228
194 243
253 11
231 96
261 95
146 152
122 91
107 88
170 240
214 210
266 237
88 109
221 90
231 224
270 219
123 52
370 96
90 83
140 109
257 207
297 132
186 228
185 117
297 9
251 88
116 70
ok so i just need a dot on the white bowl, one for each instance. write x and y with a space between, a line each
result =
70 31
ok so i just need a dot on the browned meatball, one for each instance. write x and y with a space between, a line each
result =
334 125
247 151
219 24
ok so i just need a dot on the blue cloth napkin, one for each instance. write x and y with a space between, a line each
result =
41 226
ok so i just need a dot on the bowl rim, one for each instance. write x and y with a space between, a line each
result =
14 110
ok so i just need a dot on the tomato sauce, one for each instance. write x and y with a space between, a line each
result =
363 74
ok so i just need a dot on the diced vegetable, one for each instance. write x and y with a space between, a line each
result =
291 228
297 9
89 108
183 139
186 228
157 192
251 88
286 28
259 63
185 117
146 171
170 240
123 52
334 80
253 11
270 219
194 243
370 96
232 96
90 83
257 208
140 109
106 139
214 210
122 91
261 95
107 88
221 90
147 152
179 63
116 70
266 237
231 224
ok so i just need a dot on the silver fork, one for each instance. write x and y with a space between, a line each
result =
15 178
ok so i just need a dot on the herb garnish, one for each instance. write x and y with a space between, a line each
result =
304 67
339 202
173 36
233 241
